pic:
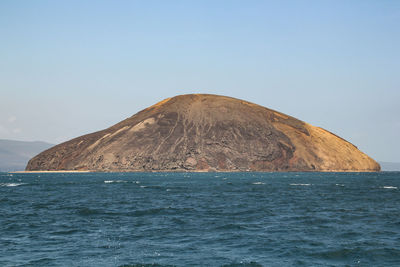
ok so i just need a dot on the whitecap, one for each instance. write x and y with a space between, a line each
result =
301 184
114 181
339 184
11 184
258 183
143 186
389 187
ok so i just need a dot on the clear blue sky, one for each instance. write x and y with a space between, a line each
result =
69 68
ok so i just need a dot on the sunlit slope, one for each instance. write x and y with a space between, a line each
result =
206 133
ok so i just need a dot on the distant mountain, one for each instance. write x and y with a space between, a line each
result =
390 166
14 155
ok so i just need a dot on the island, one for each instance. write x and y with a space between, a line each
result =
203 132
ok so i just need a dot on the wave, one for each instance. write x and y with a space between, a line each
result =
115 181
258 183
341 254
243 264
87 211
145 265
65 232
231 226
300 184
389 187
11 184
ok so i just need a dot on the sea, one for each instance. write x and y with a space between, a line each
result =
200 219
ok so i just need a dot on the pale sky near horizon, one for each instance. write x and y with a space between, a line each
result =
68 68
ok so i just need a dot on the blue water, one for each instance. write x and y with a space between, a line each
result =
200 219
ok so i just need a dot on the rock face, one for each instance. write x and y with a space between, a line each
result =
206 133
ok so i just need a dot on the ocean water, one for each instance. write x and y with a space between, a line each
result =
200 219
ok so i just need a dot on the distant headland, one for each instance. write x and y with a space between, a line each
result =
201 132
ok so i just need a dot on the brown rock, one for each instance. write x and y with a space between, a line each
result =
206 133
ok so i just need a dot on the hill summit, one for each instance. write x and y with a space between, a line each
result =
200 132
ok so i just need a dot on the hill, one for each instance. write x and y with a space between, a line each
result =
14 155
206 133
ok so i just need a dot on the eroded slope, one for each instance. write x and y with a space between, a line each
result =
206 133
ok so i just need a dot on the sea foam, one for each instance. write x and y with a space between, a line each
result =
11 184
115 181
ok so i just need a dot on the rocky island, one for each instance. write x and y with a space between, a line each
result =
200 132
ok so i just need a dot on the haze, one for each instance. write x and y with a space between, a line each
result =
69 68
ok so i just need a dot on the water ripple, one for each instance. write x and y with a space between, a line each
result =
198 219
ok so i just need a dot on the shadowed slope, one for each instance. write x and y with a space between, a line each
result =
206 133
